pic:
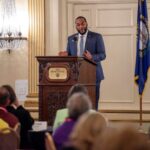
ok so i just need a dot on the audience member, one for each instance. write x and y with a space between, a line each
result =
4 114
22 114
77 104
76 89
61 114
87 129
108 133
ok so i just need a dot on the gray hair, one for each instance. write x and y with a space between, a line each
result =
78 104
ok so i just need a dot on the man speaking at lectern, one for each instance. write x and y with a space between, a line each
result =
90 45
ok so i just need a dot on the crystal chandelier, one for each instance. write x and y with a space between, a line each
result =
10 34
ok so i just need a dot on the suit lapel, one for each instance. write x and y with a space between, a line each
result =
75 41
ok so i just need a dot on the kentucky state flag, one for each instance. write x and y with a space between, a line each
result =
143 46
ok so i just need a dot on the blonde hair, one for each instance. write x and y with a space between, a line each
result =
89 126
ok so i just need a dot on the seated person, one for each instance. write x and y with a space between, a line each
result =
61 114
77 104
22 114
88 128
4 114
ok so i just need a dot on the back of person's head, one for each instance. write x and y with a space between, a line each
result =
78 104
4 97
88 128
76 89
106 140
11 92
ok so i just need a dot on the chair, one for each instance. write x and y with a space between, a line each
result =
49 143
17 128
9 139
37 138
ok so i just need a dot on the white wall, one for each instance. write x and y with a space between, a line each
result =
14 66
116 21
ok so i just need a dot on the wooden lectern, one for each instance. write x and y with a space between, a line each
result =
56 75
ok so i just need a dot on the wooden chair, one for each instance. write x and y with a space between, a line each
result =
49 143
9 139
17 128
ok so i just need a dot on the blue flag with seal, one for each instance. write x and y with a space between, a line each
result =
143 46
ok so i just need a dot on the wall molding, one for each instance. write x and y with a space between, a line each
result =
124 111
103 1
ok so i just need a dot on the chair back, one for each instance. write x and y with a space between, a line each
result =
17 128
9 139
49 143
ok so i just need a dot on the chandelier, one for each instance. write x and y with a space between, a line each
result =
10 34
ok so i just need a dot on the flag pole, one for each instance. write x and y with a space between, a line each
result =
141 111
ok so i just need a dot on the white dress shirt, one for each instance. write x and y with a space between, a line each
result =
79 39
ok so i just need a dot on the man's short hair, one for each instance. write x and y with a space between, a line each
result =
4 95
76 89
81 17
78 104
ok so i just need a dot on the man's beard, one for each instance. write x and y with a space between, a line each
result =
82 32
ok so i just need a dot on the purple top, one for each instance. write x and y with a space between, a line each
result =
62 133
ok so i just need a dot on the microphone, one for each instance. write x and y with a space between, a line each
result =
75 38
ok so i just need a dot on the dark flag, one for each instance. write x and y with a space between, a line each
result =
143 46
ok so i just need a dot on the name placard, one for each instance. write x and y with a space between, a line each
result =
57 73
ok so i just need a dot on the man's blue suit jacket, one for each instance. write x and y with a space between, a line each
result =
95 45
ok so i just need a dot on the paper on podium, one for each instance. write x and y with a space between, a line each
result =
39 125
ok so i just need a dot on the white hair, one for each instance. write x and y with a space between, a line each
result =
78 104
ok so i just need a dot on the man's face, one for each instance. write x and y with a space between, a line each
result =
81 25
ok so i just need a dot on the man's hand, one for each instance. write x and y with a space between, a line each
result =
87 54
63 53
15 104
